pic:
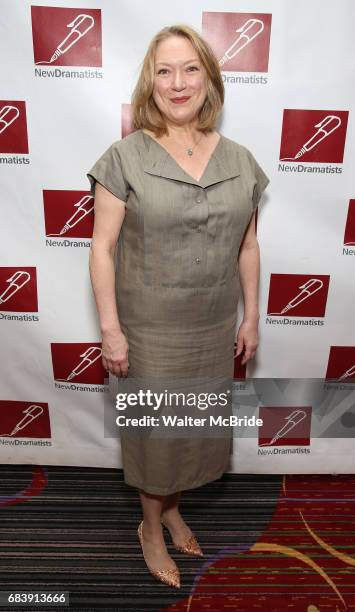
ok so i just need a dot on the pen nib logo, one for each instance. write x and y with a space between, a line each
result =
80 26
247 33
31 413
293 419
16 282
8 115
84 207
309 288
350 373
324 128
92 354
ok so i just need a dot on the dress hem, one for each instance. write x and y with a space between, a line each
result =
159 491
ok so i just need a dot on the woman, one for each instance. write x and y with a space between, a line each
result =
181 198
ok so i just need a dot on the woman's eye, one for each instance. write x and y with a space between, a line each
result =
164 71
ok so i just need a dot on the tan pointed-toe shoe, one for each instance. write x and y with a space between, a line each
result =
189 547
171 577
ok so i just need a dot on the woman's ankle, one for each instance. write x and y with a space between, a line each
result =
152 528
170 514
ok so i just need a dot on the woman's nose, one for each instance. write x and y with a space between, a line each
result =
178 80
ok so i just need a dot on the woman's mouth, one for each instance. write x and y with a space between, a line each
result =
180 100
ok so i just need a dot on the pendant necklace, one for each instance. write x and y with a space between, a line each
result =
190 150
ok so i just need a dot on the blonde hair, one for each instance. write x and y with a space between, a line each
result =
146 113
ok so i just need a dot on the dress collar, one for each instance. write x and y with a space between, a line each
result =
158 162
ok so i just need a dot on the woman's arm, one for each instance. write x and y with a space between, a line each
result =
109 216
249 273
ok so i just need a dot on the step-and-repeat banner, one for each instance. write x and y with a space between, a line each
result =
68 72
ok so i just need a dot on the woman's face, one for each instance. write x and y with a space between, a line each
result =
180 80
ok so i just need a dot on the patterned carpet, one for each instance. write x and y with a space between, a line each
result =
271 543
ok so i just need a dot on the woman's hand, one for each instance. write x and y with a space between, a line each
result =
247 337
115 352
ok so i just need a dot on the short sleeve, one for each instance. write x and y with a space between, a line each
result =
260 180
108 171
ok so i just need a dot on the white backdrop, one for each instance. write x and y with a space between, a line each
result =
288 77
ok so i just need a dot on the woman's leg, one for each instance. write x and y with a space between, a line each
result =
173 519
155 550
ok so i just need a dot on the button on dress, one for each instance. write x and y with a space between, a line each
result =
177 287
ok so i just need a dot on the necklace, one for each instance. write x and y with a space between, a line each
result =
190 150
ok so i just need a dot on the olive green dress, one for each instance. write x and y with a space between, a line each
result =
177 286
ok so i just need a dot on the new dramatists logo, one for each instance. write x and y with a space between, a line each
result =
68 214
13 127
298 295
66 36
18 290
241 41
349 234
341 364
313 136
78 363
24 420
285 426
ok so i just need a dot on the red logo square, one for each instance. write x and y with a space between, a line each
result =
240 41
313 136
349 234
68 214
24 419
66 36
341 364
18 289
78 362
285 426
13 127
298 295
